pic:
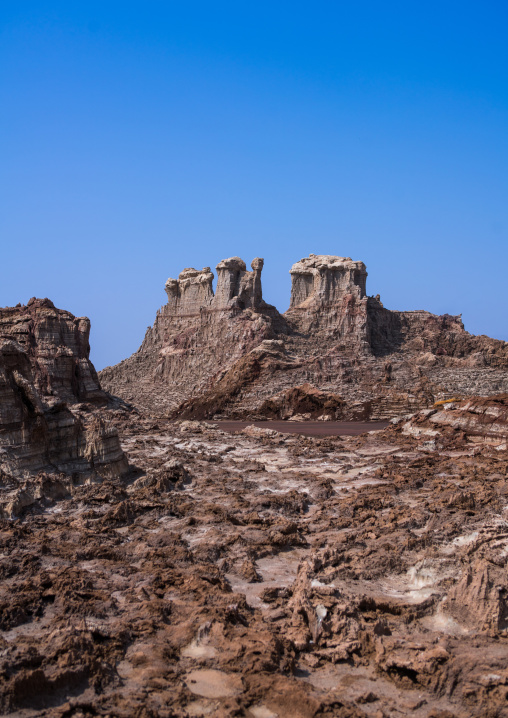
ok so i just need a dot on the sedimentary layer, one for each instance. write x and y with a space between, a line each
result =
57 345
50 403
230 354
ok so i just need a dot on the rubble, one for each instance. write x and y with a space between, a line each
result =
266 573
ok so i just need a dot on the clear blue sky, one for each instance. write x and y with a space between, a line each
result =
139 138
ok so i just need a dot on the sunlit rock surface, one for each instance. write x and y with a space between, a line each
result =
267 574
50 397
230 354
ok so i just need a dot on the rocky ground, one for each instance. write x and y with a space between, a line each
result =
265 574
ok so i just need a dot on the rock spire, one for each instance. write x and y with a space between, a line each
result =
237 288
231 354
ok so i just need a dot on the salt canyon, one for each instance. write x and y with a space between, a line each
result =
154 564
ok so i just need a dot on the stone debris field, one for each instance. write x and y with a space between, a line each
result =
265 574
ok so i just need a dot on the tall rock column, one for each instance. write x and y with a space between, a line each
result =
236 287
190 292
328 296
325 279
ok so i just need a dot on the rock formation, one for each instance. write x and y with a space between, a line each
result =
265 573
57 344
325 279
237 288
231 354
480 420
328 298
191 291
197 337
49 394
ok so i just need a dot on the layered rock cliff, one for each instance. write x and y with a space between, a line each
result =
57 345
49 401
231 354
197 336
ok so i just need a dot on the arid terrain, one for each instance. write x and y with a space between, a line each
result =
266 574
308 566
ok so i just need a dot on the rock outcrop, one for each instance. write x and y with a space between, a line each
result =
191 291
57 345
50 400
231 354
237 288
324 279
328 300
197 337
480 420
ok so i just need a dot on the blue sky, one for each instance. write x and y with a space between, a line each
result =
139 138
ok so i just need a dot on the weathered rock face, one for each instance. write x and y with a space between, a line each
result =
326 279
232 354
57 345
237 288
197 337
481 420
191 291
328 298
303 403
47 382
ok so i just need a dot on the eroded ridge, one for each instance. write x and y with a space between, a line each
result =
230 354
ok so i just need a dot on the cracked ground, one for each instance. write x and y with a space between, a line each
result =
263 574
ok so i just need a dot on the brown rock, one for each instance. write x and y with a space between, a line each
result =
57 345
233 355
44 379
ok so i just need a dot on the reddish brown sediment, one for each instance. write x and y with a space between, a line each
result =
261 573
